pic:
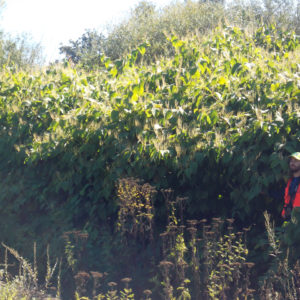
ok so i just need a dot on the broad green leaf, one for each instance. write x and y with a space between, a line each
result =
235 68
168 115
114 116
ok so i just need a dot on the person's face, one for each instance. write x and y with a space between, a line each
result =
294 165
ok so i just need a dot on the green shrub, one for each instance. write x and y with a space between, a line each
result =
214 123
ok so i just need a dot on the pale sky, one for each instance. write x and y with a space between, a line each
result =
52 22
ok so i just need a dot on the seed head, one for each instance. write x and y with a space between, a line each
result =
217 220
164 234
192 230
147 292
96 274
246 229
250 264
126 279
112 284
82 275
192 222
165 263
210 233
83 235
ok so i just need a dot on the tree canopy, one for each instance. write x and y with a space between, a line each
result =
146 23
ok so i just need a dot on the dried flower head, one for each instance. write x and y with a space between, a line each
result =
192 222
83 235
216 220
172 229
82 275
81 279
112 284
192 230
164 234
224 266
246 229
147 292
181 199
68 232
165 263
230 221
210 233
250 264
126 279
96 274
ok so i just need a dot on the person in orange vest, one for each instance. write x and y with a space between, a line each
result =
292 190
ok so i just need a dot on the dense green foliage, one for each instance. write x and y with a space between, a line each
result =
146 23
214 123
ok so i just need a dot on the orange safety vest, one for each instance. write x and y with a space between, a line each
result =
287 198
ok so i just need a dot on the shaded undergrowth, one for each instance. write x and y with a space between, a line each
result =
197 259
